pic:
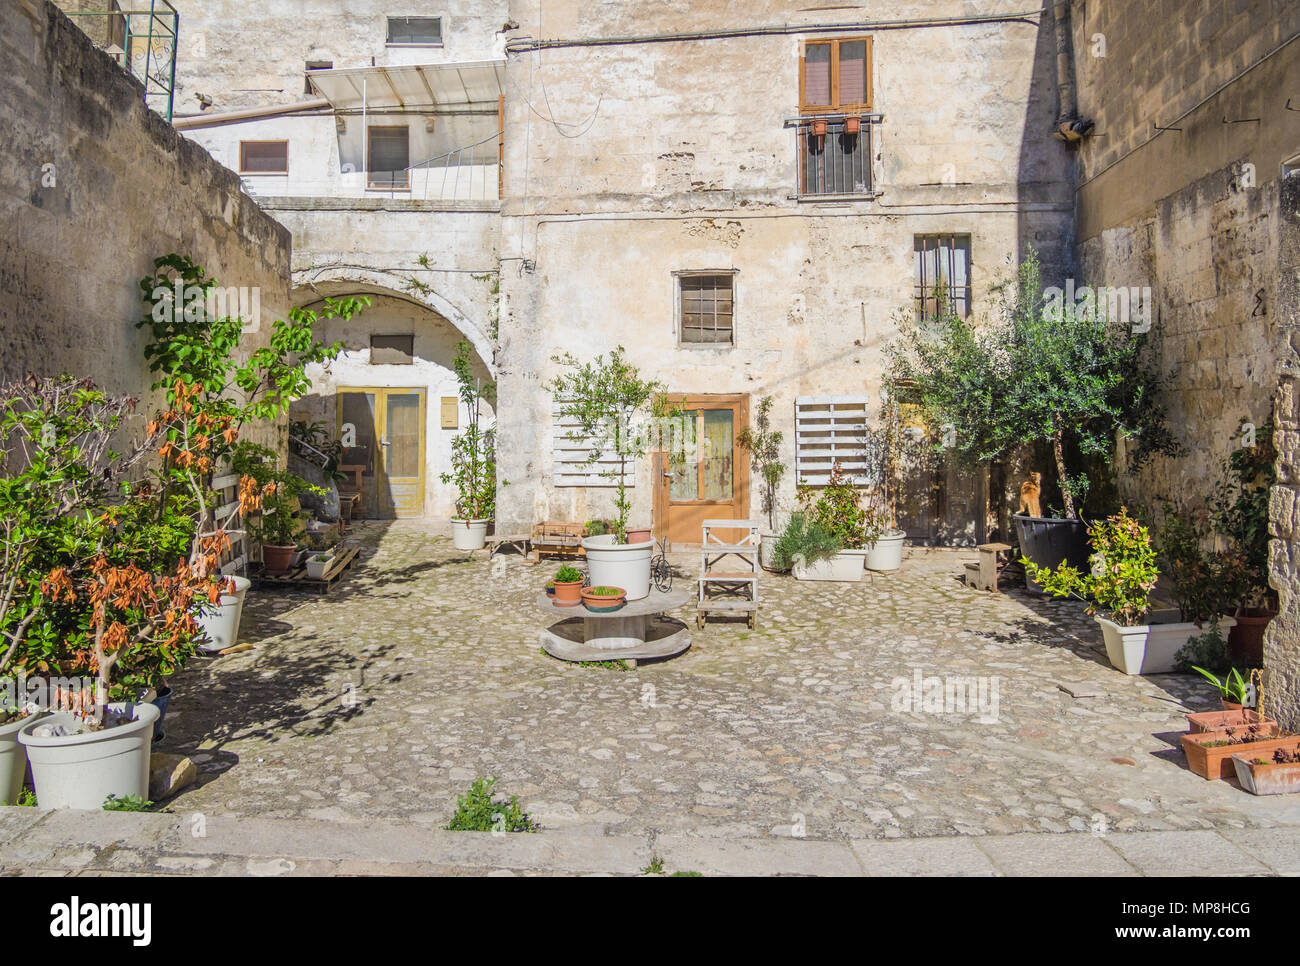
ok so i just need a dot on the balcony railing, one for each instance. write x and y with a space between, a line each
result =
142 40
834 158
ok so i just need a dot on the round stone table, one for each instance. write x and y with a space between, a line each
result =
639 630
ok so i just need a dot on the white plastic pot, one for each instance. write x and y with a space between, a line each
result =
887 552
316 568
625 565
469 534
222 622
846 565
81 770
13 759
1151 648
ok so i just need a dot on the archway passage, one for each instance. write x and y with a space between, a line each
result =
391 398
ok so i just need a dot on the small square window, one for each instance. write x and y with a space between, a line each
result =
706 304
414 32
388 156
392 350
263 157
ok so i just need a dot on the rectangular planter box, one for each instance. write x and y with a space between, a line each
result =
1218 720
1214 763
1266 779
1150 648
847 565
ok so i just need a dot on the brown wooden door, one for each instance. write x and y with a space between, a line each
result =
711 481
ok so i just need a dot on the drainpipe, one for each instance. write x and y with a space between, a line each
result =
1065 66
247 114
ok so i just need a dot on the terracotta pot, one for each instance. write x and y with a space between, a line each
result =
568 593
1218 720
606 603
852 125
1266 779
819 129
277 560
1246 639
638 536
1216 762
1229 706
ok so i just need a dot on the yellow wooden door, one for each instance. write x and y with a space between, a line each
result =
712 481
383 433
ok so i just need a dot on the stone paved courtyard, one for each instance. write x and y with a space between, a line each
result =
423 671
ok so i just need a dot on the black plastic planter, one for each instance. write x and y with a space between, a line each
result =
1051 541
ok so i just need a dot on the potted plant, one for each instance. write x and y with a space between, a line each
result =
1265 774
1209 753
884 538
318 563
837 511
604 397
1123 574
602 600
812 552
1044 371
763 443
473 457
568 587
1234 692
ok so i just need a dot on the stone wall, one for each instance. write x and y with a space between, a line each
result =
93 187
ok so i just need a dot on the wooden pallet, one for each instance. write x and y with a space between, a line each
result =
557 540
297 578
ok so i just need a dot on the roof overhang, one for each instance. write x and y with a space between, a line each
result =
424 88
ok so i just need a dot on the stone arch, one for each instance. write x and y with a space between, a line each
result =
355 280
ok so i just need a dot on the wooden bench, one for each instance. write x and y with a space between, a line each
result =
503 541
738 582
983 574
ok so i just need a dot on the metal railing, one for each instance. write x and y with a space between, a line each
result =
835 160
143 42
473 172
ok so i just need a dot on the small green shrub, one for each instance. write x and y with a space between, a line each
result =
604 591
26 798
804 537
477 811
1232 687
568 575
1207 650
129 803
656 866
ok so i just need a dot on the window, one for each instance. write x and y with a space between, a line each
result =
835 77
942 275
388 156
264 157
315 65
706 303
414 32
392 350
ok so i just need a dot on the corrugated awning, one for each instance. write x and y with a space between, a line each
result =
428 88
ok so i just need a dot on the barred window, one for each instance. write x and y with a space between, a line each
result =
942 275
706 302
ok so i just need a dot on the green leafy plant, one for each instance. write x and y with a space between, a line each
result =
1039 371
763 443
127 803
604 397
473 451
1124 571
477 811
804 538
837 508
26 798
1232 687
277 519
604 591
1205 583
1207 650
1240 510
655 866
595 528
568 575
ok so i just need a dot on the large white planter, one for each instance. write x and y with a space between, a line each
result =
625 565
767 541
316 568
469 534
845 565
1151 648
81 770
887 552
222 622
13 759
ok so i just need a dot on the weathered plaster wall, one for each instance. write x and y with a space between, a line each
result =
123 188
655 157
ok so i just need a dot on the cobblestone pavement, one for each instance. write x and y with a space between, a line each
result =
423 671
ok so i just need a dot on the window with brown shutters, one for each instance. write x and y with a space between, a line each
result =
706 308
388 156
263 157
835 76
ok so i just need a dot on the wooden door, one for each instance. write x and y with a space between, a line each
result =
383 431
709 481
